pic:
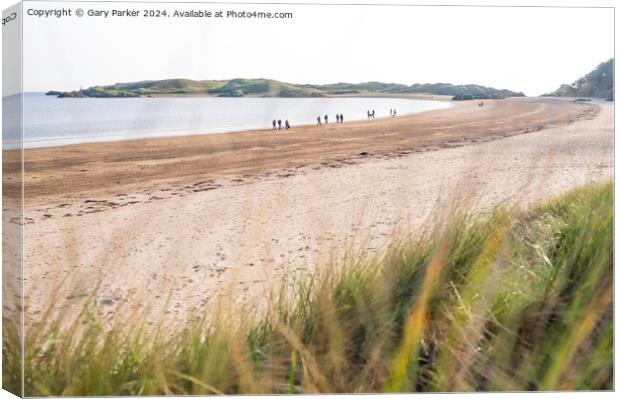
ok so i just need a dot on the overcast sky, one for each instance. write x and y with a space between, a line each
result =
533 50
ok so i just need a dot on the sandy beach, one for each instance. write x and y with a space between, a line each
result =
181 222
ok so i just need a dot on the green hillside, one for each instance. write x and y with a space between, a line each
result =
146 88
264 88
274 88
598 83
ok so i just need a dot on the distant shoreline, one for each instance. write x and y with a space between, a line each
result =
412 96
242 87
127 136
103 168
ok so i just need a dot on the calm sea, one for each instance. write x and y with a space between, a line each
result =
51 121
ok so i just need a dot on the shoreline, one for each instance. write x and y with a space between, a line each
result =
84 171
160 135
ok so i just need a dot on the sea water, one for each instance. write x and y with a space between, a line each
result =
51 121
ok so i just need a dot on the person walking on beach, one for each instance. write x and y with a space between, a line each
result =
341 118
373 114
279 124
326 119
368 113
394 114
337 118
286 125
390 111
273 123
318 120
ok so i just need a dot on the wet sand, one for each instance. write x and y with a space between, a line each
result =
92 171
187 221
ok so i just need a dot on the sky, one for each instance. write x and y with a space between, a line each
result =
533 50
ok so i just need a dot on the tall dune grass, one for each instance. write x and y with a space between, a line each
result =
506 300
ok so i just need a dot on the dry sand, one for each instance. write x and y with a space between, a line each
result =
185 221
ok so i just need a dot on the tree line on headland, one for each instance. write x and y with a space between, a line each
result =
598 83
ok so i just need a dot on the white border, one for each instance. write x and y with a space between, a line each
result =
553 3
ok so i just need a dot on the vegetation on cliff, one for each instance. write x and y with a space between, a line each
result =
597 83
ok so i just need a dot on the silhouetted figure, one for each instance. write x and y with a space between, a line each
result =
318 120
273 123
368 113
279 124
373 114
286 125
337 118
390 111
341 118
326 119
394 113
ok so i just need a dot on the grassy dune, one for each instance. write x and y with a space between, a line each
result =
275 88
506 300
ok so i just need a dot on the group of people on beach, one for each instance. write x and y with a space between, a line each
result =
279 124
339 119
371 114
320 120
